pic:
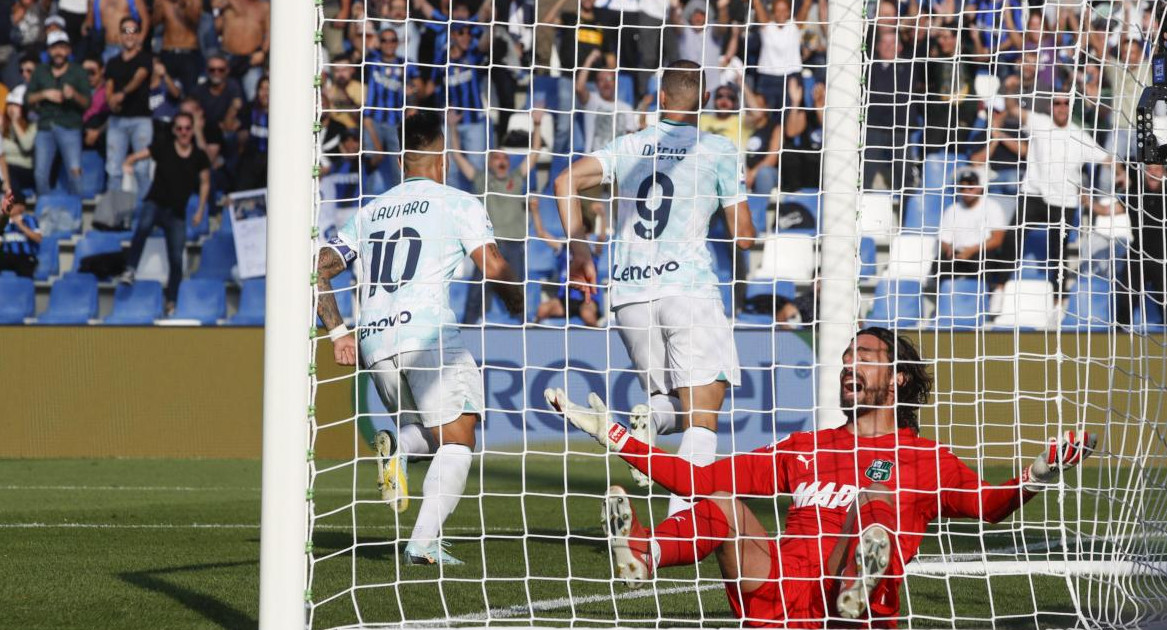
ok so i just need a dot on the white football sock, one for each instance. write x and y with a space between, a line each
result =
699 447
411 441
441 491
666 411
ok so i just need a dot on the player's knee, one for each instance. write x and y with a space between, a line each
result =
460 431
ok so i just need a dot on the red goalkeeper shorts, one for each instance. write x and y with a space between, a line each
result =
794 596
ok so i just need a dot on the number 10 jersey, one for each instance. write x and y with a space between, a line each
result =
669 180
410 241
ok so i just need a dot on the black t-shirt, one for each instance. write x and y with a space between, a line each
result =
588 34
120 71
215 106
175 178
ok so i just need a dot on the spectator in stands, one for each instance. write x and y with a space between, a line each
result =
243 28
73 12
28 64
1037 61
566 300
972 230
385 104
96 116
180 40
781 53
583 29
1144 285
345 91
209 138
1127 73
802 134
18 137
408 32
181 169
460 75
945 81
889 83
606 116
253 138
697 40
1005 146
504 188
221 98
105 16
59 93
22 238
28 24
127 89
727 118
165 96
1057 151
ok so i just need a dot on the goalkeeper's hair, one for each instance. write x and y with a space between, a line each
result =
684 82
424 138
917 387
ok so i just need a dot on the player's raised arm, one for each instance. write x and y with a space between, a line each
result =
330 263
586 172
495 269
963 494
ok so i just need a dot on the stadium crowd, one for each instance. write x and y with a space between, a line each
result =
988 86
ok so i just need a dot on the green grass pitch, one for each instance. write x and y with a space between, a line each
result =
175 544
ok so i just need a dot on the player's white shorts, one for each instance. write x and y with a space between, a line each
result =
679 342
425 389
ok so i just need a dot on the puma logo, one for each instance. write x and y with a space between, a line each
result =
805 461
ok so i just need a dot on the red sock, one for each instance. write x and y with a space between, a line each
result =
687 537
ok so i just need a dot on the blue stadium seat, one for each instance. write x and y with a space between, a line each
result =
72 300
784 288
541 259
194 232
758 205
55 208
1088 306
626 88
867 267
1035 244
48 263
217 259
549 214
811 200
920 216
17 298
534 294
754 319
94 243
558 163
898 304
604 263
961 304
92 174
201 299
136 304
251 303
723 259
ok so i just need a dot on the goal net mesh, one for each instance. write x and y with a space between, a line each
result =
1003 223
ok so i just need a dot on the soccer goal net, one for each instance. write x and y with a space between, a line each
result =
968 174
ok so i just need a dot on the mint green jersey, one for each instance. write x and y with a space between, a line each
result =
668 180
410 242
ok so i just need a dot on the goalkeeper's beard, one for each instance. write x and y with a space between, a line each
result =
856 399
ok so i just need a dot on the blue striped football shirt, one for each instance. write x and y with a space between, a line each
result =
16 243
385 91
461 80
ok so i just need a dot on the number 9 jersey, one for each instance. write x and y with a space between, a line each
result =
410 241
670 179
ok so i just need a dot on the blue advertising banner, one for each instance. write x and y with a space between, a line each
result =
776 396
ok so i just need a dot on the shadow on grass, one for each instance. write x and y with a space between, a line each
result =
213 609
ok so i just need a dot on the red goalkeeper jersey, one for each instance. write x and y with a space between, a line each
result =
823 472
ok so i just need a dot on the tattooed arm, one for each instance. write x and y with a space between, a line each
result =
330 263
496 270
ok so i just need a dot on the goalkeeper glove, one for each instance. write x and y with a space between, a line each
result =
592 420
1061 455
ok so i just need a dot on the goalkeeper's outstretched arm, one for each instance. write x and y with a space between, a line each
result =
965 495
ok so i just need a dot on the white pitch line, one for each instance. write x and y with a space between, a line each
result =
496 530
369 491
543 605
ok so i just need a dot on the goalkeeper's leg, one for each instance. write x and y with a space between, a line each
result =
866 559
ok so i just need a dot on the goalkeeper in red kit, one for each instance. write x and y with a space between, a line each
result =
863 495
